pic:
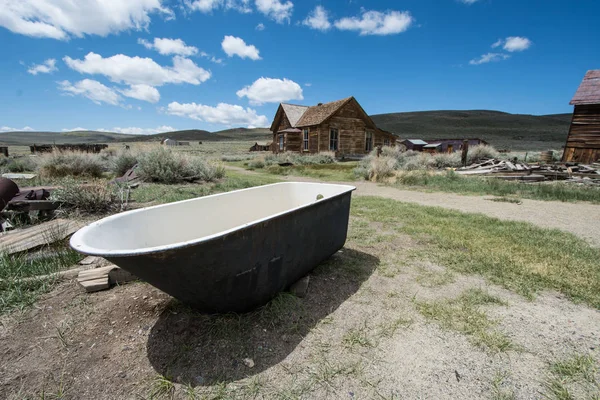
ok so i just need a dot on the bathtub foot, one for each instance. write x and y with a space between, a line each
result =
300 288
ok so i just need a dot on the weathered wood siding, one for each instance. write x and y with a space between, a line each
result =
284 123
351 123
583 142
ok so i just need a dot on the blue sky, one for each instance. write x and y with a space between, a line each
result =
145 66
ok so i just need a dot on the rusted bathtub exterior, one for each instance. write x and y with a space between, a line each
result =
240 268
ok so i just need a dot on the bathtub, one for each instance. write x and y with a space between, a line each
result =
228 252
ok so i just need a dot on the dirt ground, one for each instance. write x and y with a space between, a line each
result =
358 334
579 218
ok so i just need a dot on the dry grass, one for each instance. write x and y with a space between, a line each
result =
162 165
70 164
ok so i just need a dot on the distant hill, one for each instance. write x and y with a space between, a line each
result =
502 130
194 135
27 138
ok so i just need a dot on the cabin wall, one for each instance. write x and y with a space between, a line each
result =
583 142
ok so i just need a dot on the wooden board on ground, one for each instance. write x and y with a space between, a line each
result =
97 279
38 235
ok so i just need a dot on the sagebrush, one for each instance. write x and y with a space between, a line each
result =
162 165
96 197
61 164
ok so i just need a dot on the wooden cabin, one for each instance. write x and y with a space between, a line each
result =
414 144
341 126
261 146
583 142
453 145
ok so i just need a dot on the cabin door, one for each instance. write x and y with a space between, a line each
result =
450 148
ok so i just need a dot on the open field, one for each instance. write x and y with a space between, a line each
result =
414 306
504 131
422 302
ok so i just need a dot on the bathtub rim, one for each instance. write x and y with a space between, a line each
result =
76 241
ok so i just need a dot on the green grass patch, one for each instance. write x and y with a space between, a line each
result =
464 315
573 378
162 193
17 288
516 255
327 172
453 183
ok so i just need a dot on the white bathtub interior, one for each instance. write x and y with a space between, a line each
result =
195 219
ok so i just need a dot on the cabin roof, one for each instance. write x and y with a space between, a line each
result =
417 142
589 90
432 146
294 112
316 115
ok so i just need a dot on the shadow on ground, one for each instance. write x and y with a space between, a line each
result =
199 349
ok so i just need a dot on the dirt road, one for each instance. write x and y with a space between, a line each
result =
580 219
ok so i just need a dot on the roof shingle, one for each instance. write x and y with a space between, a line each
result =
294 112
315 115
589 90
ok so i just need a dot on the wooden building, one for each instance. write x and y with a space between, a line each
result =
452 145
414 144
341 126
261 146
583 142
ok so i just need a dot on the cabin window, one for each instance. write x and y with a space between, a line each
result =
333 139
305 140
368 141
280 142
386 142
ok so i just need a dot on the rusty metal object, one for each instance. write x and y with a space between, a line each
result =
8 190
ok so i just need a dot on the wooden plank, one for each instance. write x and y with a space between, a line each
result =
96 285
38 235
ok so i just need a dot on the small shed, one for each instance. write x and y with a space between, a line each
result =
169 142
432 148
583 142
414 144
261 146
452 145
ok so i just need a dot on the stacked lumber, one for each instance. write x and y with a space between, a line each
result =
93 280
503 169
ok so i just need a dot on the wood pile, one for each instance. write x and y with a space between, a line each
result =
509 170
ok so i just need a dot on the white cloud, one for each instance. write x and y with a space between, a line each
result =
308 84
318 19
234 46
91 89
142 92
260 27
208 6
223 114
517 43
74 129
61 19
9 129
268 90
377 23
513 43
167 46
277 10
468 1
139 131
47 67
138 70
498 43
489 57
